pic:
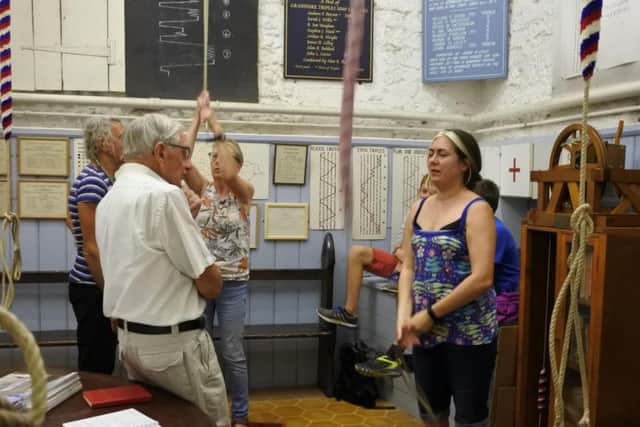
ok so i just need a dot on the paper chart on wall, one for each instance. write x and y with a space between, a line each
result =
409 165
370 189
618 23
256 167
200 158
325 187
80 159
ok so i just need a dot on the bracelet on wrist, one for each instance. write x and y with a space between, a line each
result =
432 314
215 137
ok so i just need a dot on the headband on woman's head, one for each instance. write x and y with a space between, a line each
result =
453 137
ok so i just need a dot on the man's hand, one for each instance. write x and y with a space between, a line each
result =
194 201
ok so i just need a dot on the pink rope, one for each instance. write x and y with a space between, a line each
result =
353 47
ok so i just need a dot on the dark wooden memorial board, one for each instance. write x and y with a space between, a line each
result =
315 36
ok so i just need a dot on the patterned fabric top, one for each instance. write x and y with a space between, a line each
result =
224 225
90 186
441 264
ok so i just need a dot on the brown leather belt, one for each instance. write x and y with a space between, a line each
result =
141 328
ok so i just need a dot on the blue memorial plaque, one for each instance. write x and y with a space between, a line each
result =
315 36
464 40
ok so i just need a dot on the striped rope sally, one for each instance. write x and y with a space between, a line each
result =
6 101
353 47
590 36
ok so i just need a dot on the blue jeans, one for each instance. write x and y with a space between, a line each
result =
231 308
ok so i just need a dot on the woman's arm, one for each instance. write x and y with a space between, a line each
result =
242 188
87 217
405 302
481 241
208 114
193 177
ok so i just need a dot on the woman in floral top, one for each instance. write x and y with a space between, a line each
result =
446 301
224 223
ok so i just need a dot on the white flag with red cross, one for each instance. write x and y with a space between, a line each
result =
515 168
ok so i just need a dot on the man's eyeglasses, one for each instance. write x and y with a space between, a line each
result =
186 150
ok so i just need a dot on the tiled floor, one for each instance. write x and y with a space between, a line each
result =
311 408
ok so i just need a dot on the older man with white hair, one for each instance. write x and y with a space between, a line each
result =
158 273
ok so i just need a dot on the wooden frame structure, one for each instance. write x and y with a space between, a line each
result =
558 187
607 299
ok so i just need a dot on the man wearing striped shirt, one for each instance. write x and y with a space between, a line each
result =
96 339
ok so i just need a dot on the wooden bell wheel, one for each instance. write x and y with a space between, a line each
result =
568 143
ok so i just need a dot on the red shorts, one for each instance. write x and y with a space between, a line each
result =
383 264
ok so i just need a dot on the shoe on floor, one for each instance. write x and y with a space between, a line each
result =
384 365
338 316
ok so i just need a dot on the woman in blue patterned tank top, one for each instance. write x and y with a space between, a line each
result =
446 301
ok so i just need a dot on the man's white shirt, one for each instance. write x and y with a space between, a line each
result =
150 250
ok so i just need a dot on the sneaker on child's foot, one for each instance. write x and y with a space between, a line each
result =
388 364
338 316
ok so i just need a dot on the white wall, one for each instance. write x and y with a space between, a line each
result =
397 67
397 103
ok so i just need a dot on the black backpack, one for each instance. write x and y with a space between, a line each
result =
350 385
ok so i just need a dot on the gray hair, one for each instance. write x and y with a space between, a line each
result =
96 129
145 132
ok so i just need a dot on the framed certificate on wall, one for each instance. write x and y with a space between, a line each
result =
286 221
290 164
43 199
43 156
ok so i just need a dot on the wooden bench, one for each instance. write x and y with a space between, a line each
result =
326 334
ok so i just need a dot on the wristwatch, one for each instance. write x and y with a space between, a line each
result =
432 314
215 137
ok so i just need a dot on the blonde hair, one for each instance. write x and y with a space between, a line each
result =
236 151
424 181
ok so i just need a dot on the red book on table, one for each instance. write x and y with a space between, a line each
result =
112 396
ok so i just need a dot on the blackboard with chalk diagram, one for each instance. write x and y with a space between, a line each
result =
464 39
165 49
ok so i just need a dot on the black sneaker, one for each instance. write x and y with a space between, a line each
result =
388 364
338 316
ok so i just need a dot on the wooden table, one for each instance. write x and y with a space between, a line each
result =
164 407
